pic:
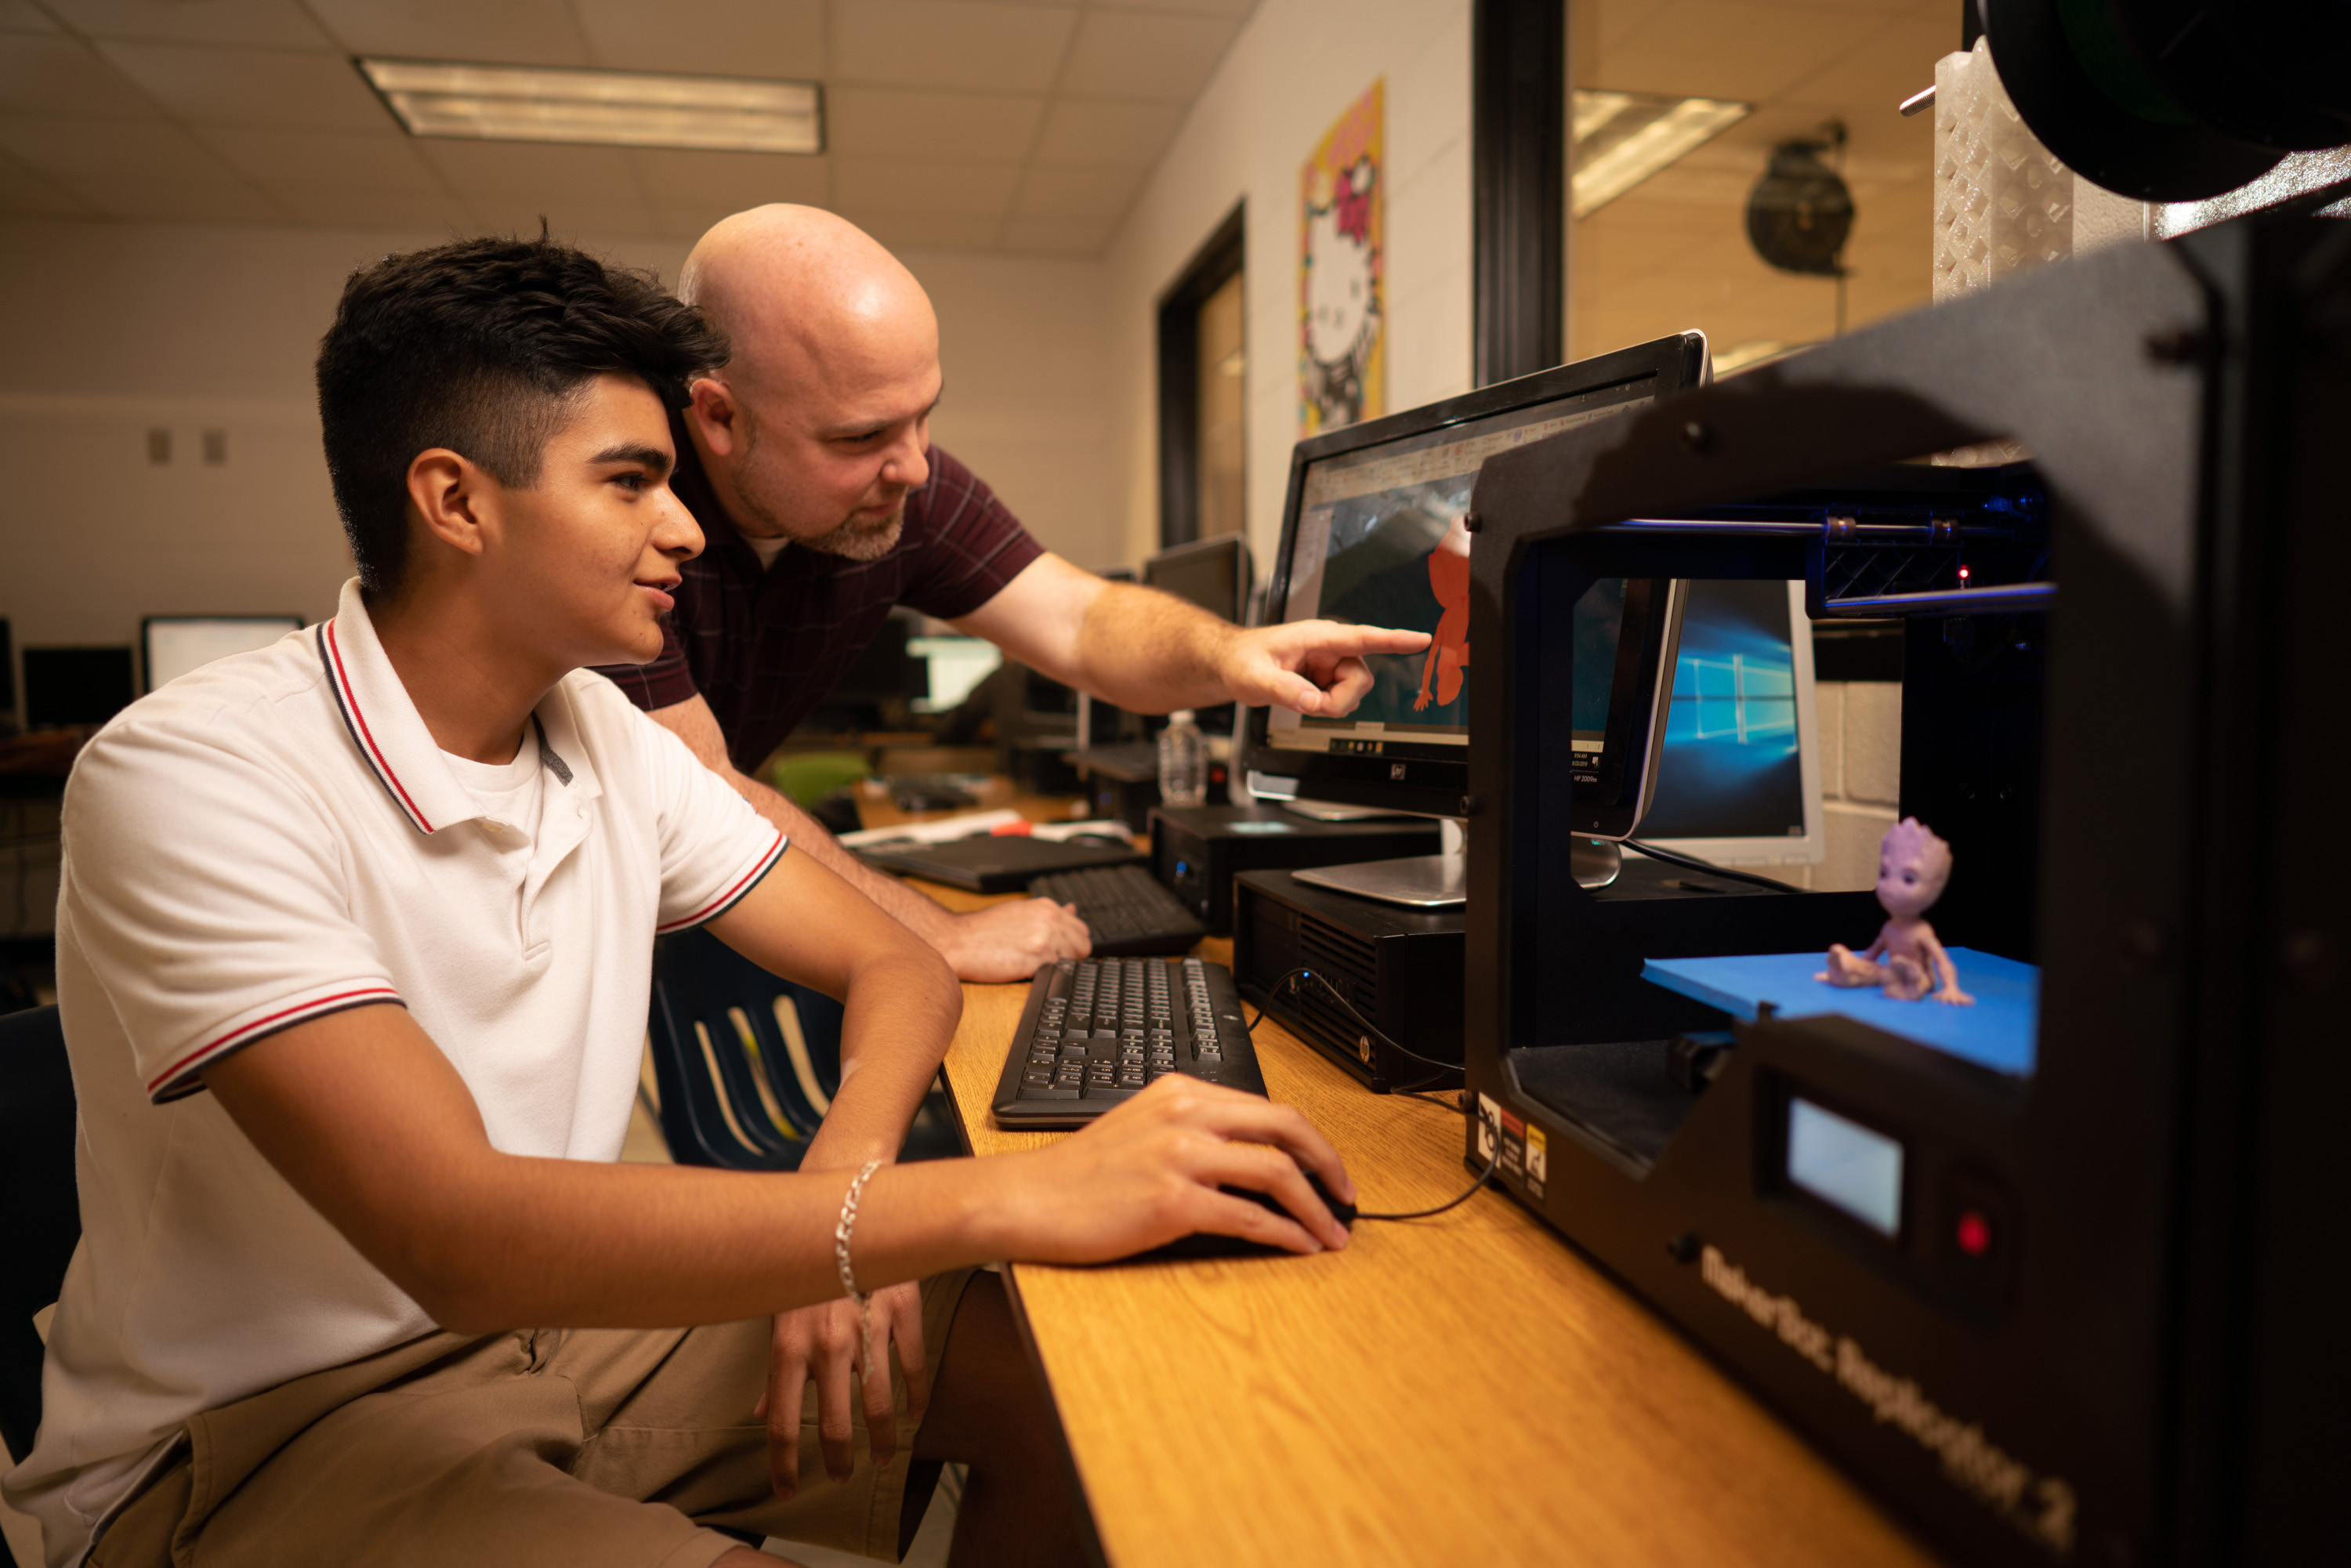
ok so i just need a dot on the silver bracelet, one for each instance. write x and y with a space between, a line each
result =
842 1229
846 1224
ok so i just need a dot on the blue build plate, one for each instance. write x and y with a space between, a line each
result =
1998 1033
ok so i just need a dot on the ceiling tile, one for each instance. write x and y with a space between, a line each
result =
535 171
174 200
62 76
122 152
23 16
268 24
23 194
524 32
959 190
1058 236
1141 55
1235 9
272 159
926 231
1904 52
730 181
1081 133
210 86
1076 194
944 42
1724 48
714 38
896 123
346 207
566 220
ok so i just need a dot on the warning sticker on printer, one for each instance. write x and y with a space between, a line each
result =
1538 1160
1489 1115
1514 1145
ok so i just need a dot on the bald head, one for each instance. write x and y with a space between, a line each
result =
818 426
809 300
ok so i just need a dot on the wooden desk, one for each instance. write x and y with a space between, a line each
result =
1464 1389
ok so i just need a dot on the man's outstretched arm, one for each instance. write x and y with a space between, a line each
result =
1151 652
1003 941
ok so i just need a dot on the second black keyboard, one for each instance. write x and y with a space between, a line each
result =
1097 1033
1124 909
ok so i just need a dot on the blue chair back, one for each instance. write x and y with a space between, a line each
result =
37 1172
747 1063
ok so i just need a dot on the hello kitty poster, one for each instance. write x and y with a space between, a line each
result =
1343 322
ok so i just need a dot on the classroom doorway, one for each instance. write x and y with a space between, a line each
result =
1203 393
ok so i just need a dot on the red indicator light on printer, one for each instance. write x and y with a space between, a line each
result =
1974 1234
1963 574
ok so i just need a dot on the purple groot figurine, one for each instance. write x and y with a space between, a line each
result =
1913 864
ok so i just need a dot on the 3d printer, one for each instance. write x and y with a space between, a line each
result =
2058 1298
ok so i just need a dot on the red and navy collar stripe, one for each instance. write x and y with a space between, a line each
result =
330 653
733 895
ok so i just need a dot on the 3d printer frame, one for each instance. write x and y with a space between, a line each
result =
2141 1368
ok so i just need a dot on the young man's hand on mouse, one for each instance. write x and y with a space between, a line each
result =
1148 1173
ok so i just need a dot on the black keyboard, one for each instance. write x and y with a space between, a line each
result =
1126 911
1098 1031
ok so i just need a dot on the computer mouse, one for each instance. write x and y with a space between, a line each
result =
1207 1246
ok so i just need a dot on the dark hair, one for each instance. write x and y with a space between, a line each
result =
480 345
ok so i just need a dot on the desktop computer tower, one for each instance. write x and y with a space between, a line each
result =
1197 850
1399 968
2073 1307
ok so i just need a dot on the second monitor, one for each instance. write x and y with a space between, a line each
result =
1375 530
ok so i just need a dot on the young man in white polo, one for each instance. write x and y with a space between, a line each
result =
354 957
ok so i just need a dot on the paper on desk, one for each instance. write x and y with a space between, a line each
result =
945 830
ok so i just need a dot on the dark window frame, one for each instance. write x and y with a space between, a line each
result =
1223 257
1519 127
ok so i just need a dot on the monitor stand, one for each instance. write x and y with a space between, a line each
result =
1418 881
1333 811
1442 881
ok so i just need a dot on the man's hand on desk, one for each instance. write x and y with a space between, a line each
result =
1148 1172
822 1344
1313 666
1011 941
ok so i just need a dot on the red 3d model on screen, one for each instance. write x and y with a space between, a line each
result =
1448 579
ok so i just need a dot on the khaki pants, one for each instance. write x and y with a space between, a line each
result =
580 1446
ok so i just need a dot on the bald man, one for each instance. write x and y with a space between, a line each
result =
807 461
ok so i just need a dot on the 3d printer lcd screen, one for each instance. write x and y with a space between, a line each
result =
1845 1165
1379 542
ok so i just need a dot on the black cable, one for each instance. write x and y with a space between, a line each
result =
1492 1162
1691 863
1367 1026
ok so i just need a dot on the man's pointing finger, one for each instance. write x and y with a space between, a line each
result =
1369 640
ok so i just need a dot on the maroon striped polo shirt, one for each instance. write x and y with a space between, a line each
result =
764 646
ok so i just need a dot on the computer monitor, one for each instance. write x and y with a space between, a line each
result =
955 666
75 686
1371 530
1739 783
1211 573
172 645
1215 575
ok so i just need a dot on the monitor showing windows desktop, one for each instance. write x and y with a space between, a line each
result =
1740 780
1373 532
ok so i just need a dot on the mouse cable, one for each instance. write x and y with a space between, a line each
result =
1494 1125
1691 863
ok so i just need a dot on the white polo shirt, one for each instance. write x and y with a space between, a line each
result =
276 837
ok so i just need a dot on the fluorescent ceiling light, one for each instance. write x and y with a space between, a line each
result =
1623 137
617 108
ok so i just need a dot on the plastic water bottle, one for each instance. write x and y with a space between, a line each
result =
1183 761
